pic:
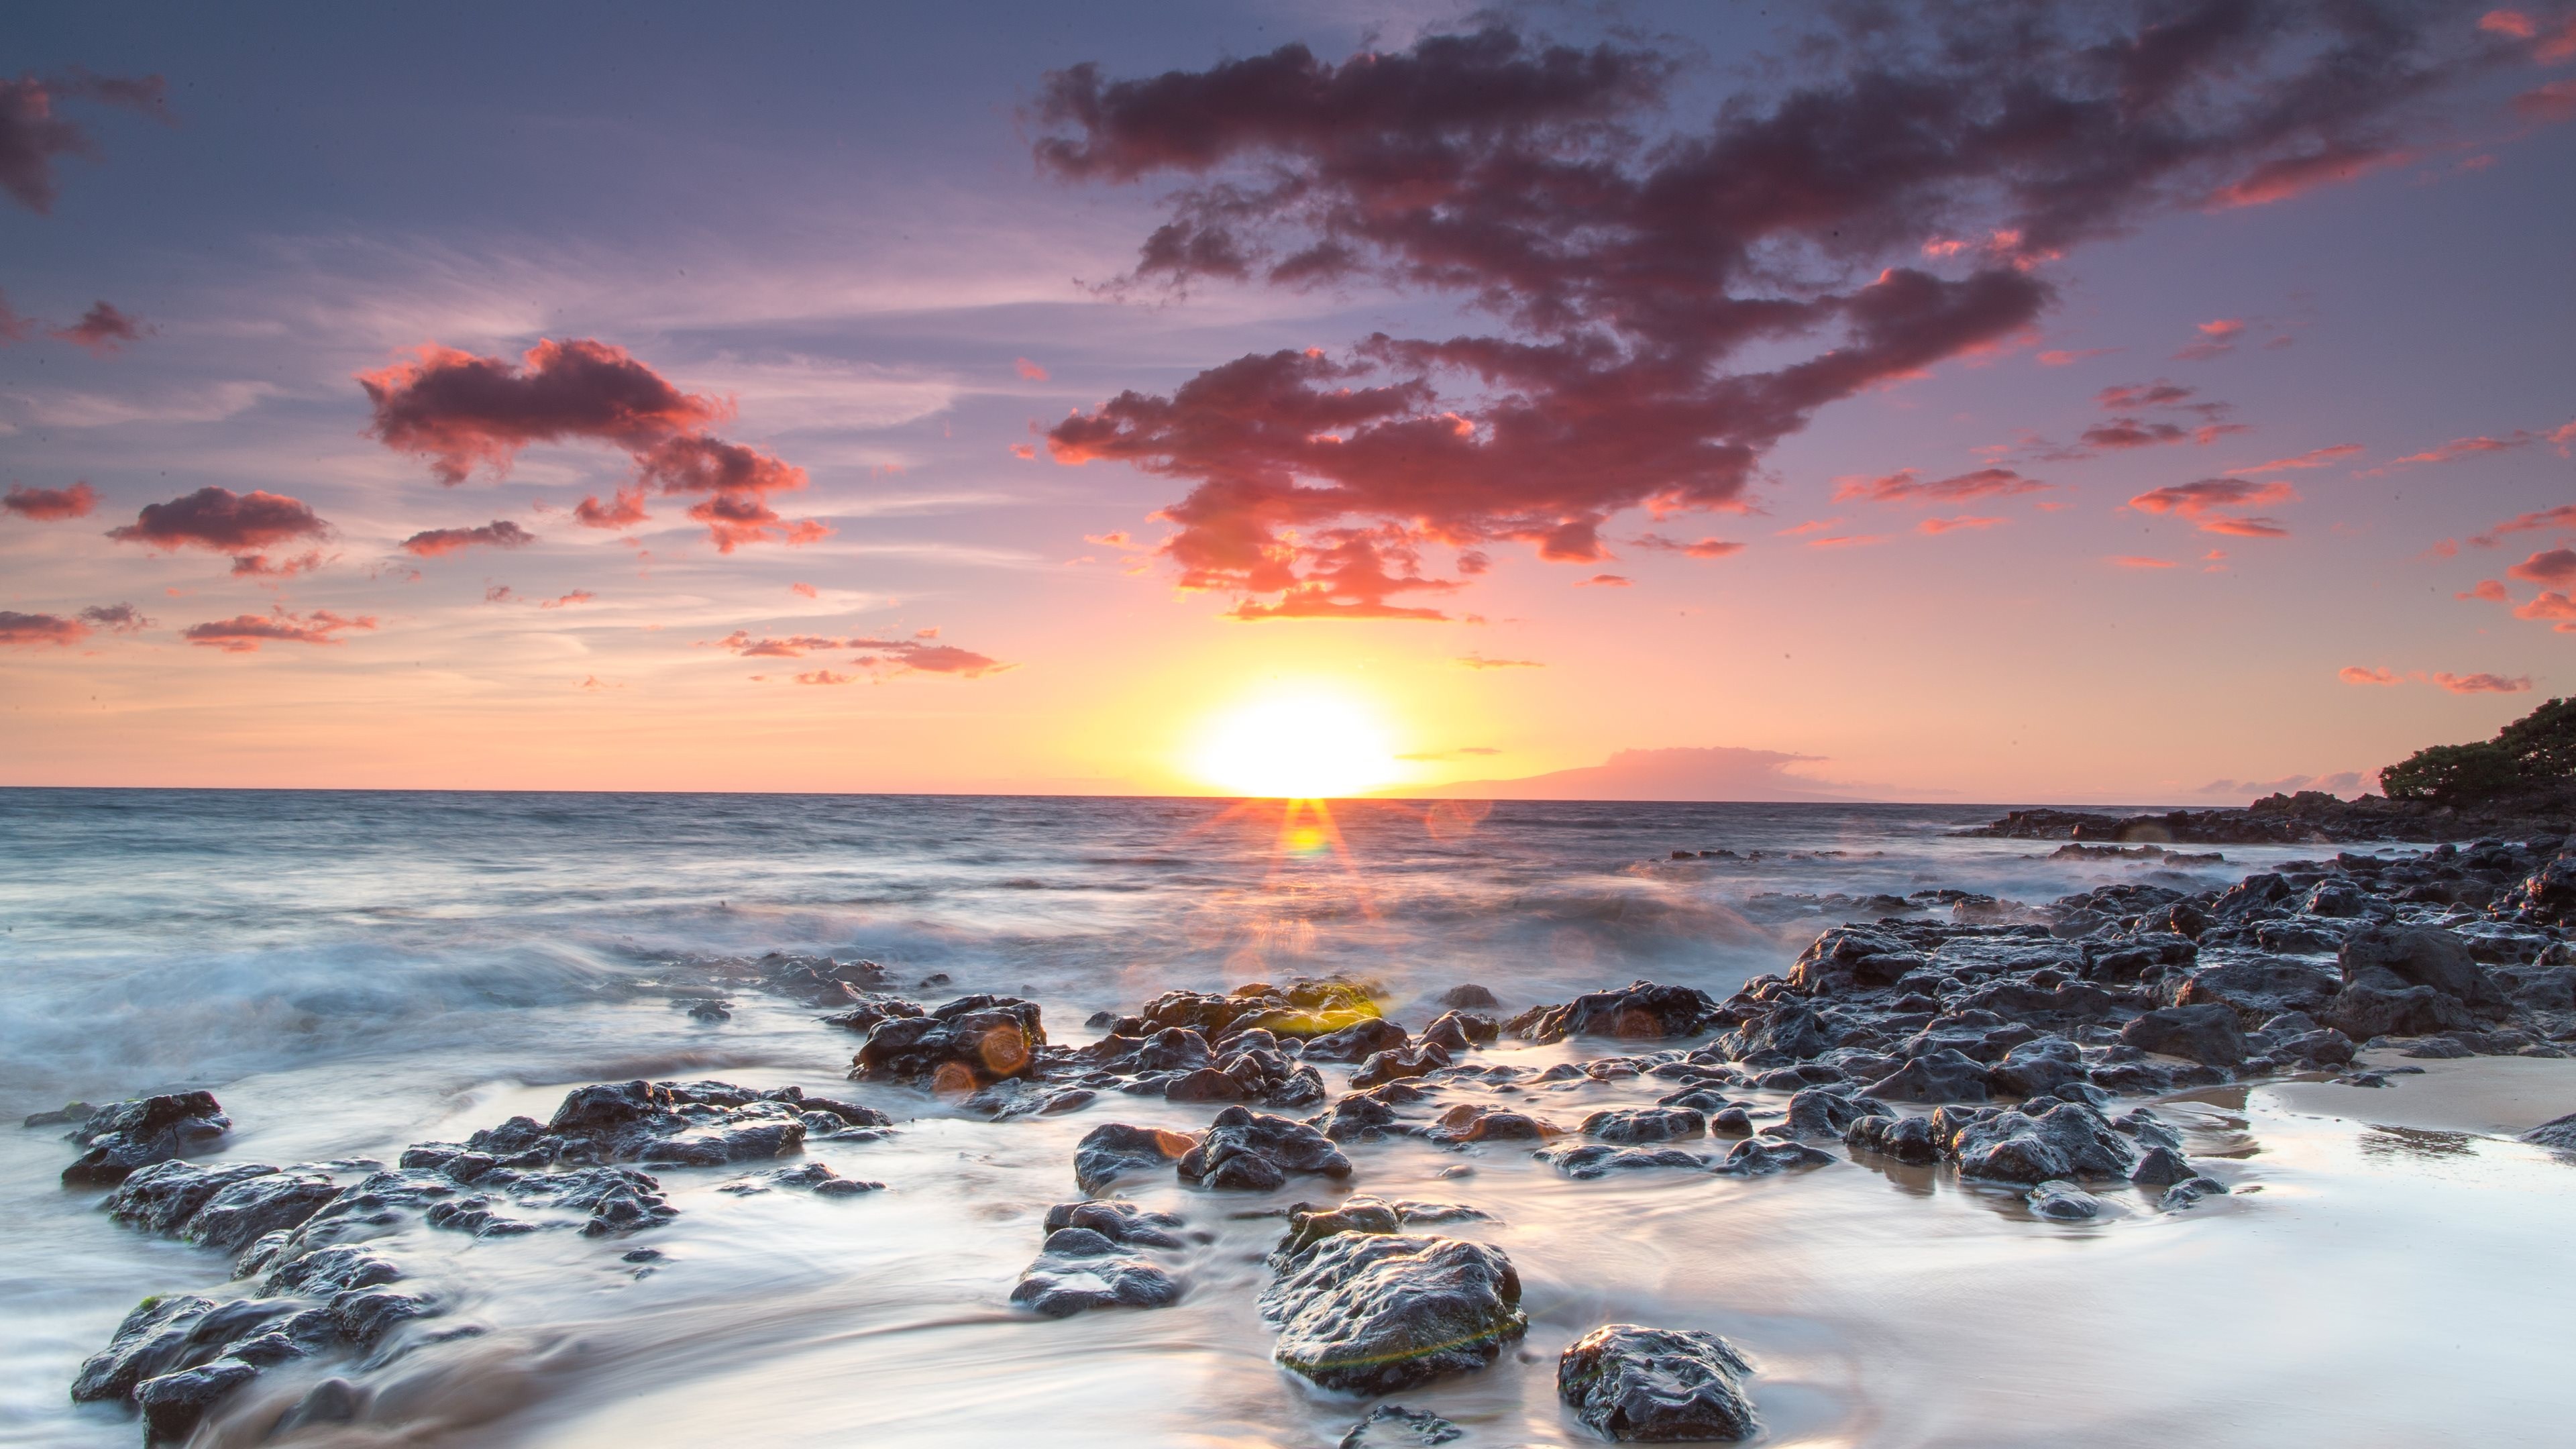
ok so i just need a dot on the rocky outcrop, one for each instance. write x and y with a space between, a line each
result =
968 1043
1375 1313
2310 816
125 1136
1248 1151
1641 1385
1641 1012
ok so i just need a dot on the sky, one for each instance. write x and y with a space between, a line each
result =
2158 404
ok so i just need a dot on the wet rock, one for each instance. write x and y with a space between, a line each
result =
2259 988
1846 959
365 1315
166 1340
1730 1121
1122 1223
2376 1006
1391 1425
2064 1202
864 1015
1817 1113
2558 1133
1173 1049
1206 1084
261 1203
1309 1225
1946 1075
1081 1269
1633 1384
1466 996
174 1404
124 1136
1306 1007
1762 1156
2160 1167
2068 1140
1372 1313
332 1401
1421 1059
1114 1150
965 1044
2189 1191
2421 956
1018 1097
161 1198
1472 1122
2318 1050
1458 1031
1357 1042
1646 1124
1249 1151
1906 1139
70 1114
2207 1033
618 1199
1588 1160
814 1177
1359 1117
1643 1011
2039 1068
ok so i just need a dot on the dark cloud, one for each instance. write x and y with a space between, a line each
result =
242 524
33 137
51 505
2483 683
499 533
1633 267
1699 548
115 618
261 566
29 631
13 328
908 656
102 329
465 412
566 601
245 633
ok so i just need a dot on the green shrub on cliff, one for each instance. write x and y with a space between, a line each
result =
2535 752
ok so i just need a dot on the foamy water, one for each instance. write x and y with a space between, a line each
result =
355 972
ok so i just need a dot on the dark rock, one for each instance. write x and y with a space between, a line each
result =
1946 1075
1588 1160
1762 1156
1657 1386
958 1047
1846 959
1249 1151
1471 1122
1817 1113
2064 1202
2039 1068
124 1136
1730 1122
1357 1042
364 1315
1122 1223
1646 1124
2420 956
1173 1049
1390 1425
161 1198
264 1203
1309 1225
1907 1139
1420 1059
2207 1033
870 1010
1206 1084
70 1114
1082 1269
173 1404
2258 988
2068 1140
2160 1167
2377 1006
1643 1011
1370 1313
1459 1030
1114 1150
2189 1191
1464 997
2558 1133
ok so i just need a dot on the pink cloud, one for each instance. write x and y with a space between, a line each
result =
2139 561
2313 458
2552 41
626 511
1031 370
565 601
2555 566
2490 590
2562 516
2065 357
1847 540
1904 486
51 505
2202 501
911 656
1701 548
261 566
1479 661
803 591
103 330
34 631
2547 104
1605 580
2289 176
115 618
437 542
2483 683
826 676
2554 605
2355 674
220 520
245 633
1945 525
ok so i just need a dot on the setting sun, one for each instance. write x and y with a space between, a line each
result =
1302 745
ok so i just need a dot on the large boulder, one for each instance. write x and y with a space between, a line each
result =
1357 1042
124 1136
2420 956
1640 1012
2258 988
966 1044
2208 1033
1373 1313
1657 1386
1255 1152
1114 1150
1846 959
2069 1140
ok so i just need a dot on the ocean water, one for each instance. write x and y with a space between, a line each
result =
354 971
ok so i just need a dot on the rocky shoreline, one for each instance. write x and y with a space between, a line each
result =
2017 1048
2310 817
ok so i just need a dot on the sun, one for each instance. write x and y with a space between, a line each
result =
1296 744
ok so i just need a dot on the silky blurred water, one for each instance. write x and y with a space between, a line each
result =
354 971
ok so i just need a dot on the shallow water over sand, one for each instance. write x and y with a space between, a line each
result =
355 973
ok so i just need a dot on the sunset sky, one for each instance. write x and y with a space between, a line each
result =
2145 405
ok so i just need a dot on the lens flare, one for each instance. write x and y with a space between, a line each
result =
1297 745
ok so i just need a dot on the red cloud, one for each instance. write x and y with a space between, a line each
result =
793 647
2556 566
465 412
2201 502
32 137
1903 486
2483 683
241 524
2354 674
1945 525
2313 458
2562 516
736 482
911 656
29 631
2547 104
102 329
626 512
1630 268
2490 590
2137 561
244 633
2552 41
51 505
1604 580
2551 605
2293 175
2459 448
577 596
1031 370
499 533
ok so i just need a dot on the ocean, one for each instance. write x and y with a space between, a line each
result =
353 971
